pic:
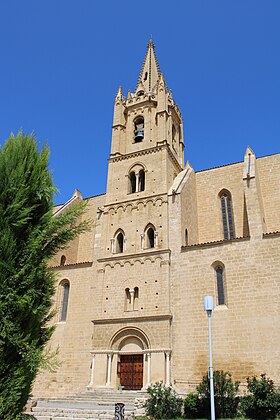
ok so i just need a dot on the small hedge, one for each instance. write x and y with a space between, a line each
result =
163 402
261 403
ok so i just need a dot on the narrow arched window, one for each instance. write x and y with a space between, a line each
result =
150 238
186 237
220 285
127 300
65 297
138 129
62 260
180 134
119 243
132 179
141 180
136 298
136 178
173 134
227 215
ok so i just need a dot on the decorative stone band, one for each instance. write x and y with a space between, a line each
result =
160 146
214 243
146 351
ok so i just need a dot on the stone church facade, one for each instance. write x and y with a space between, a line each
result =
129 299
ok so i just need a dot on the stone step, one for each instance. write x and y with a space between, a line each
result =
72 410
75 416
78 405
89 405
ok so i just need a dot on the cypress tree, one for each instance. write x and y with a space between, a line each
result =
29 237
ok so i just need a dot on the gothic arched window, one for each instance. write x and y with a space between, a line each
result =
150 236
62 260
65 288
119 242
220 285
136 179
227 215
138 129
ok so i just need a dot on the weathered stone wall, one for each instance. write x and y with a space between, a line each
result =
246 331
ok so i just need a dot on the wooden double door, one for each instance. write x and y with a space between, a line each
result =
131 371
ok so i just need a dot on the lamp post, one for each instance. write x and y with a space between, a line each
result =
208 307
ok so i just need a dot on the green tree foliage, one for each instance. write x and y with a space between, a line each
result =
263 400
29 237
163 402
226 401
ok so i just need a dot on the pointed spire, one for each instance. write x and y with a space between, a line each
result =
150 72
119 94
77 194
249 169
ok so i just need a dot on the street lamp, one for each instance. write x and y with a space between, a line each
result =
208 307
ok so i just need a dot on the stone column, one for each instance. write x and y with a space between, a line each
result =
167 367
142 240
109 367
132 293
112 245
92 371
148 369
137 183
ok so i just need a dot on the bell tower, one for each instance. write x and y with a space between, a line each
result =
147 150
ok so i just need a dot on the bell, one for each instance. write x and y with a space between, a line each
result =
138 135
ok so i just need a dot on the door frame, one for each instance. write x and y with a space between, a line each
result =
133 372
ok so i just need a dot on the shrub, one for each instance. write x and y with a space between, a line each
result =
192 406
163 402
263 400
226 401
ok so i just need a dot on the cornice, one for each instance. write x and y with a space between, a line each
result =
160 146
144 253
146 101
271 234
73 265
145 351
133 319
136 200
121 157
214 243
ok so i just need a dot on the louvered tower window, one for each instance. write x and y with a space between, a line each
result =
220 285
139 126
227 215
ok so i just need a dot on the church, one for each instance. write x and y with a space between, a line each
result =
129 296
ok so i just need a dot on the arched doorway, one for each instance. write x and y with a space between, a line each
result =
131 364
130 344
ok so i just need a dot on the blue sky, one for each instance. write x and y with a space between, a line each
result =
62 62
